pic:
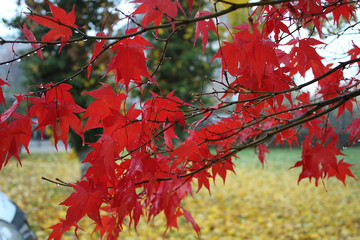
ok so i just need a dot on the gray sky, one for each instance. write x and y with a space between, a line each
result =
8 10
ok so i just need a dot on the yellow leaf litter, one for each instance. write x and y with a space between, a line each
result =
255 203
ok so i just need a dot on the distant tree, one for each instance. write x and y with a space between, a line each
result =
181 70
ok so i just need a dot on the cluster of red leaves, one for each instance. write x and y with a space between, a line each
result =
129 62
61 24
136 169
57 109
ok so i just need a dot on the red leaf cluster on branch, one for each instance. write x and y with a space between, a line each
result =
138 168
61 24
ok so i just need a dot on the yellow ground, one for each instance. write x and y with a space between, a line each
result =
253 204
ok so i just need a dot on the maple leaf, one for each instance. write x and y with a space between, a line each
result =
106 100
169 134
308 7
221 168
343 10
168 108
58 230
305 57
59 93
2 99
353 127
190 5
203 180
250 55
288 135
110 227
347 105
203 27
343 171
313 127
30 36
190 219
262 150
354 52
317 161
58 110
12 135
98 46
102 159
186 151
229 54
274 25
61 24
86 199
129 62
9 112
154 10
304 97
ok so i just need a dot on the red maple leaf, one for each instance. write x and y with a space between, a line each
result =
262 150
9 112
106 100
230 58
102 159
318 161
190 5
288 135
343 10
347 105
30 36
2 99
275 25
98 46
154 10
221 169
169 134
250 55
12 135
343 171
305 57
203 27
129 62
190 219
168 108
354 52
58 110
59 117
58 230
313 127
86 199
110 227
59 93
203 180
354 127
307 8
61 24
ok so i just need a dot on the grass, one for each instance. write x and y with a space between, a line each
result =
255 203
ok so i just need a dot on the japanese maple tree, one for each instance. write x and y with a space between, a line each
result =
139 167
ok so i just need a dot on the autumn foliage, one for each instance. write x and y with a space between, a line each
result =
139 166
